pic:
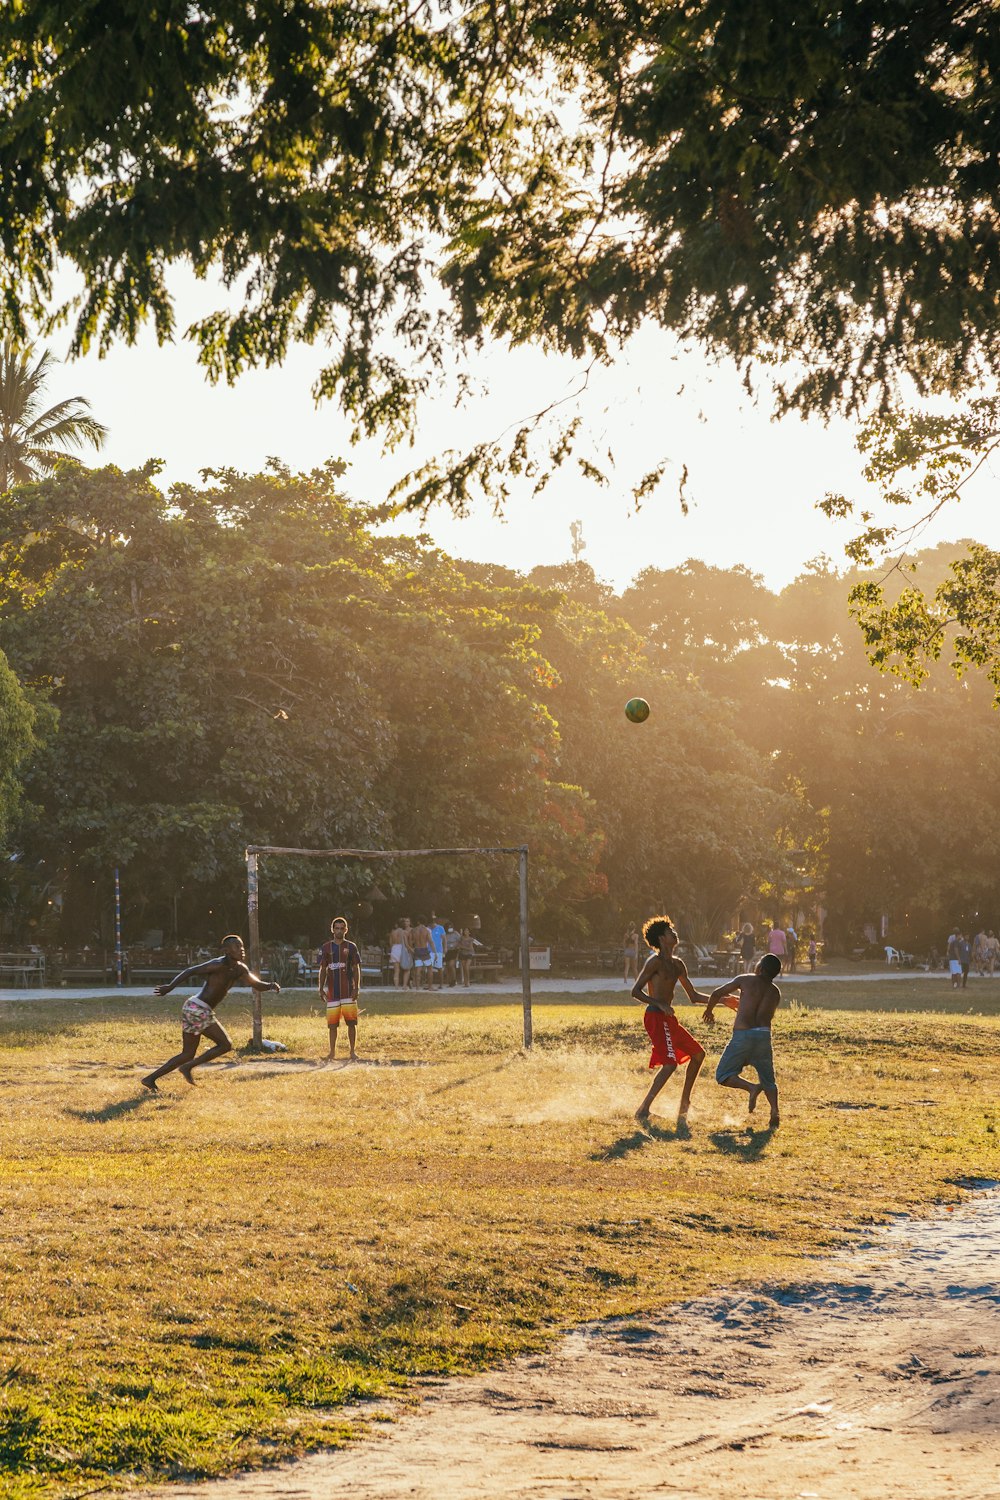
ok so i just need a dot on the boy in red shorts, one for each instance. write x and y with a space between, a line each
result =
672 1045
340 984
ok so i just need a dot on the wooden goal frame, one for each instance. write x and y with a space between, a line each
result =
254 851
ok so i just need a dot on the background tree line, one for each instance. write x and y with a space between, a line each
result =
257 660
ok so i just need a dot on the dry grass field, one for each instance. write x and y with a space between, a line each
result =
199 1281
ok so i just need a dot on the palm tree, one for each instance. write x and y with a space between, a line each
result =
31 440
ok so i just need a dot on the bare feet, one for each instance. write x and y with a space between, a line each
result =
186 1075
774 1122
642 1116
682 1114
753 1096
150 1084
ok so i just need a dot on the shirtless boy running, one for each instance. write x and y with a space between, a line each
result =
198 1011
750 1045
672 1045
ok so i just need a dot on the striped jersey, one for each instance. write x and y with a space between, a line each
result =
340 959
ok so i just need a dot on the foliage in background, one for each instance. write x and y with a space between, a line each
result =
255 660
33 439
17 723
250 663
922 462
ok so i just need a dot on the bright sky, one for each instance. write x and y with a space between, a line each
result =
753 484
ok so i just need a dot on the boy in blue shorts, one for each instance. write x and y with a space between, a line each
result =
750 1046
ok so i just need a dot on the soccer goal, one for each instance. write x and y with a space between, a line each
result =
253 855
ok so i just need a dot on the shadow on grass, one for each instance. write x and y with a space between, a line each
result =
114 1111
748 1144
457 1083
644 1136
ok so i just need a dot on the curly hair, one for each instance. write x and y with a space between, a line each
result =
653 930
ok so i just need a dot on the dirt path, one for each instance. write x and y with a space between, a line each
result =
882 1380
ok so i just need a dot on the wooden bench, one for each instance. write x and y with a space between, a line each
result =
569 961
488 963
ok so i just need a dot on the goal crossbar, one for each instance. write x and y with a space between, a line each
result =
380 853
253 909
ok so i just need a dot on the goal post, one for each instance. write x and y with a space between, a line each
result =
254 851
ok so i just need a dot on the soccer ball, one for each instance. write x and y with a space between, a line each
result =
637 710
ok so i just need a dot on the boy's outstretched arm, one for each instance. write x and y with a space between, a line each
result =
256 983
208 967
722 996
695 996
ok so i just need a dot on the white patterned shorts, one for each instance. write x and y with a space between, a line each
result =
196 1016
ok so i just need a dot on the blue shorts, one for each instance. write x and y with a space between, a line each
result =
748 1049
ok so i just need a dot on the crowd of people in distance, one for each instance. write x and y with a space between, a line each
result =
782 942
431 954
963 951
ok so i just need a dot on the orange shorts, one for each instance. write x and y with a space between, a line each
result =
341 1010
671 1043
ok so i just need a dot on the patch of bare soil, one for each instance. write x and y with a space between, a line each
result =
883 1379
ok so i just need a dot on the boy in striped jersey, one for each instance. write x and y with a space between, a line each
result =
340 984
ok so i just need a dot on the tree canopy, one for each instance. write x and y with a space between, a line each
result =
922 462
17 720
256 660
798 181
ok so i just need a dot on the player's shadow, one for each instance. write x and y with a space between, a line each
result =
748 1144
110 1111
636 1139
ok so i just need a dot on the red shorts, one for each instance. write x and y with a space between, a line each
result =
671 1043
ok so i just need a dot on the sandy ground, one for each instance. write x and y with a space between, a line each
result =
881 1378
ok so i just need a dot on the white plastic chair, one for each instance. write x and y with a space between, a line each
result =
892 955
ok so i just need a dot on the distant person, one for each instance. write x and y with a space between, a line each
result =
748 943
813 952
776 942
340 985
671 1044
630 952
992 951
979 952
437 951
750 1045
467 945
964 949
422 961
301 963
405 947
198 1011
791 947
452 939
954 964
397 942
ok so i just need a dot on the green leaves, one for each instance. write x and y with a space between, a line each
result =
249 662
806 187
923 461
